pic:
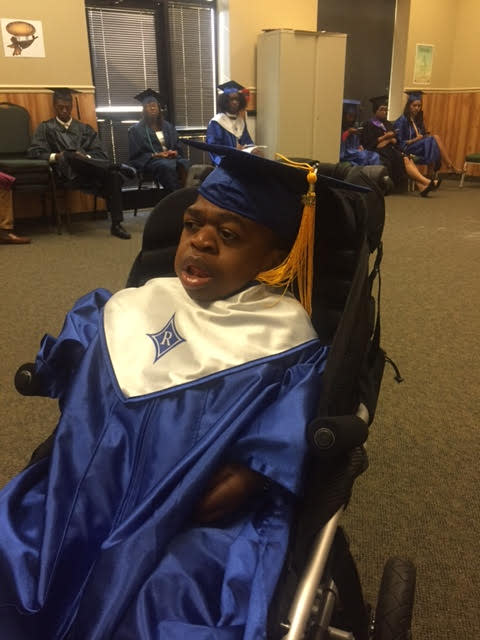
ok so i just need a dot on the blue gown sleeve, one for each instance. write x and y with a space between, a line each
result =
246 138
215 135
59 357
275 442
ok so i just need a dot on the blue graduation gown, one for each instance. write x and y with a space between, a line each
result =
350 152
216 134
426 149
156 393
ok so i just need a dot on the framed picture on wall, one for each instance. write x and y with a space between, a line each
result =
422 72
22 38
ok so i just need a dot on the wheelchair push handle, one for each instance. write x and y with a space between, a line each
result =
26 382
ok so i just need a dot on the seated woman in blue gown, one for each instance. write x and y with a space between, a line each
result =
351 149
414 139
228 127
163 508
153 144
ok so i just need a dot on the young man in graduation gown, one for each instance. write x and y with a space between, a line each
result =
153 144
79 162
228 127
163 510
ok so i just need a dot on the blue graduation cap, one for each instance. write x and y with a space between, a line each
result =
230 87
415 94
351 105
279 196
265 191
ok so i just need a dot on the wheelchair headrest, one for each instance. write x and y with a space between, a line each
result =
341 227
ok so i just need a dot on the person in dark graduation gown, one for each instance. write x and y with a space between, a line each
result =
229 127
351 149
78 159
379 135
413 137
153 144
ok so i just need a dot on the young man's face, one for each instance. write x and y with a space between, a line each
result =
220 252
63 109
381 112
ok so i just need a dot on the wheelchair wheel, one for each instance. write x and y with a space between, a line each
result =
393 616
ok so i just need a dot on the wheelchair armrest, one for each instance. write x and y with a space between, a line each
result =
26 382
330 436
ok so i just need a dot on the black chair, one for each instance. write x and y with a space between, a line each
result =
143 178
30 175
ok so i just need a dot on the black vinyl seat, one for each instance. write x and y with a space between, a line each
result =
30 175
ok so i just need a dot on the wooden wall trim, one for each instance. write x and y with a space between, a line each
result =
455 117
40 106
37 88
427 90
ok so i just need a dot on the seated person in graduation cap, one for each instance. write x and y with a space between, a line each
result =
79 162
413 138
163 509
379 135
350 148
228 127
153 144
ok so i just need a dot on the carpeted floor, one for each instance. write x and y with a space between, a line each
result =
420 495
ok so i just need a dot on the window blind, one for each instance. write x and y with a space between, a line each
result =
123 54
192 51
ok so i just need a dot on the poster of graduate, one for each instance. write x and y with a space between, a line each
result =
22 38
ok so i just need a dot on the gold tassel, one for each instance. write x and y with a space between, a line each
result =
299 262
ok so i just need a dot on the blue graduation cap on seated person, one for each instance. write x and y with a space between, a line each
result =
351 105
149 95
278 195
231 87
414 94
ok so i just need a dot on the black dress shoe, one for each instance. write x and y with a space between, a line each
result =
118 231
436 183
428 188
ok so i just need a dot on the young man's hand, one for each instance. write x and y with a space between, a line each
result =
229 490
